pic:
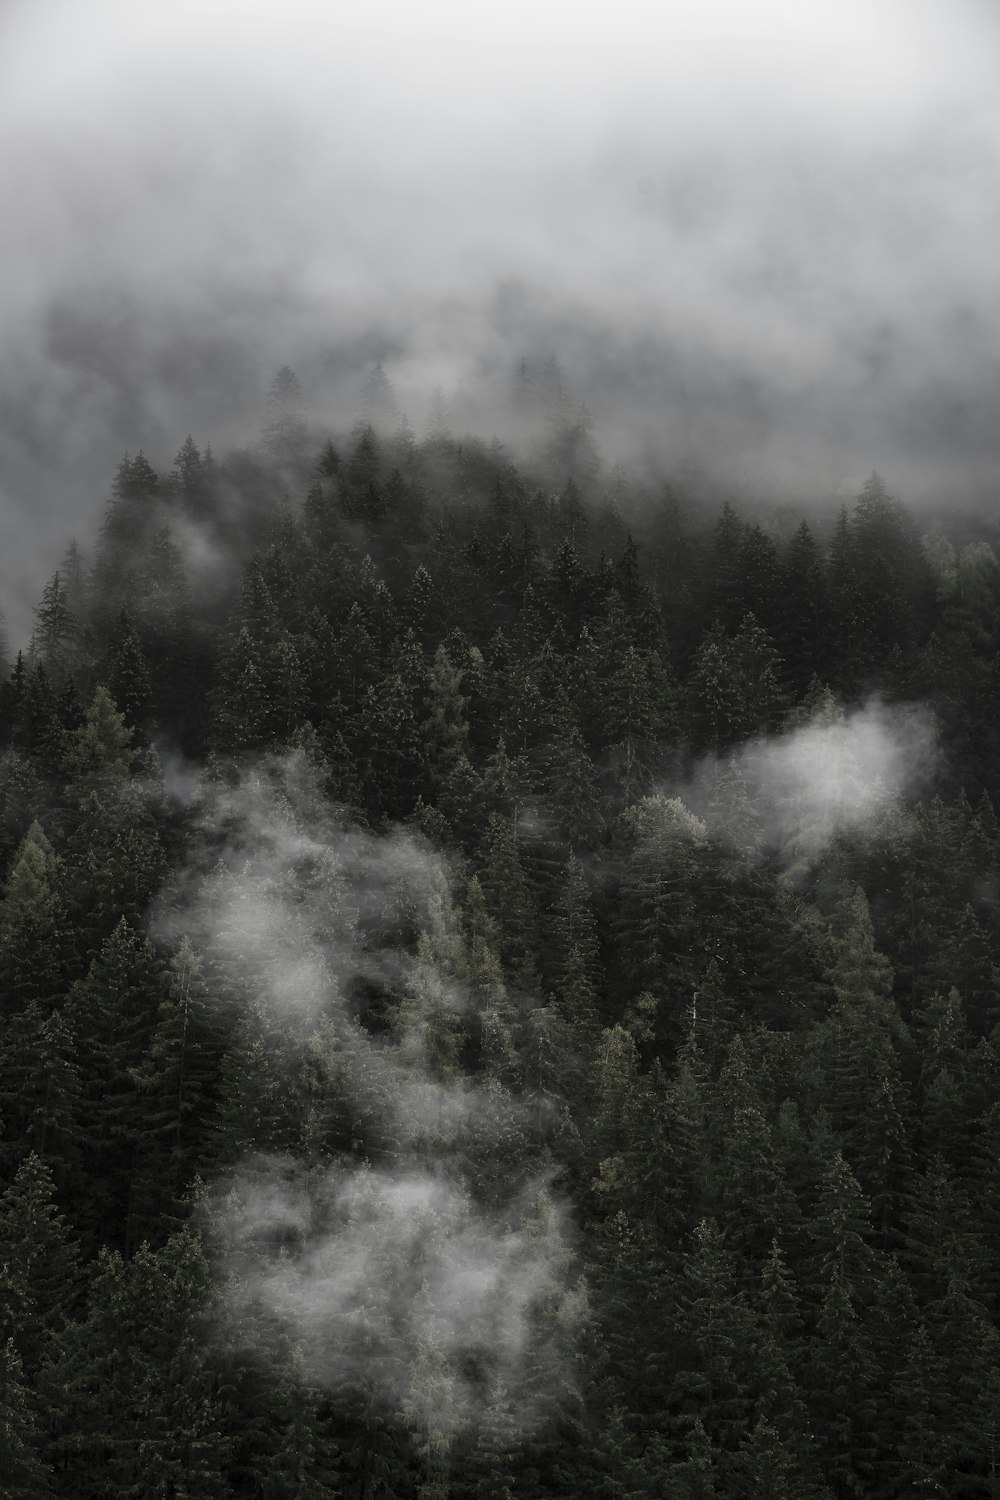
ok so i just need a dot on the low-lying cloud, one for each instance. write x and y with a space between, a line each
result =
831 775
392 1264
399 1282
759 237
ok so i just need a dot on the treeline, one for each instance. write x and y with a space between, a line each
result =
769 1098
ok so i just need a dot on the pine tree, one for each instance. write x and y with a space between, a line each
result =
255 1111
30 914
656 921
494 1459
735 685
262 696
447 728
566 779
127 673
20 796
114 860
26 1474
40 1089
112 1012
99 754
194 475
176 1077
921 1444
754 1204
638 715
284 434
575 966
715 1343
38 1254
842 1376
55 627
379 405
132 1393
387 733
858 1043
362 490
135 479
803 611
509 899
943 1242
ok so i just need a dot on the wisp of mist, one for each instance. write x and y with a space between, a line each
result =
831 774
387 1266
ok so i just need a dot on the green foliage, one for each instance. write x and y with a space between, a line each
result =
55 626
133 1399
735 684
99 753
128 676
26 1475
29 911
38 1254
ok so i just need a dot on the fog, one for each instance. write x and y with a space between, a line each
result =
759 239
831 774
405 1268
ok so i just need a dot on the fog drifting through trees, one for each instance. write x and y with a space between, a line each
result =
499 861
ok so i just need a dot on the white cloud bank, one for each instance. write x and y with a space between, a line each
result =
759 236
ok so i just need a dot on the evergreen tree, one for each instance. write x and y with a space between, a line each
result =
379 405
132 1392
55 626
127 673
112 1012
575 965
194 476
38 1254
262 695
40 1092
26 1475
284 435
508 897
30 913
735 684
714 1327
176 1076
98 755
803 610
447 726
656 921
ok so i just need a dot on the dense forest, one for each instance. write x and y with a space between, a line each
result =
499 984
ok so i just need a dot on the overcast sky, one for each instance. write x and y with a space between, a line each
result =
762 230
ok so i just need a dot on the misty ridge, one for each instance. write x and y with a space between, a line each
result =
618 432
762 259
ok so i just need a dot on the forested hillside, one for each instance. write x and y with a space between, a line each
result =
499 986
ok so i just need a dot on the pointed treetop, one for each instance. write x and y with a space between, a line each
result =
135 479
379 404
819 709
102 745
873 491
54 622
28 889
284 392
